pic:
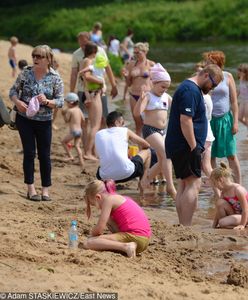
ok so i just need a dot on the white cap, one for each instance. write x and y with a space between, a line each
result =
71 97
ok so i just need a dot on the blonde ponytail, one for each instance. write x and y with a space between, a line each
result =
223 171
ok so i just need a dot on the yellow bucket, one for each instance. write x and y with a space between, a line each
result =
132 151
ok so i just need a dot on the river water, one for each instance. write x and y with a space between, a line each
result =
179 60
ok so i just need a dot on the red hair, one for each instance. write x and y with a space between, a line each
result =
215 57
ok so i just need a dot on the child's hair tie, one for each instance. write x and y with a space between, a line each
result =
110 186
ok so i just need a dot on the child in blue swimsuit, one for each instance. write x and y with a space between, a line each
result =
12 54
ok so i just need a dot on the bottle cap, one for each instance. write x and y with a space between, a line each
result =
74 223
51 235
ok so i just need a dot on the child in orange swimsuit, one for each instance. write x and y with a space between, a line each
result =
232 206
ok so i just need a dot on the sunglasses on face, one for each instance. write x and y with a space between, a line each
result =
37 56
214 84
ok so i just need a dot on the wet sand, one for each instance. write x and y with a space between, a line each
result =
180 263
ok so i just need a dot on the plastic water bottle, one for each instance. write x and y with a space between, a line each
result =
73 235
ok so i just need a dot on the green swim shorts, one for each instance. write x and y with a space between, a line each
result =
224 144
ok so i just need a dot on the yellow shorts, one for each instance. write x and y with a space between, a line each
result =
141 241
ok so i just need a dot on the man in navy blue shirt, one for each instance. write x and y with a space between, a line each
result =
186 136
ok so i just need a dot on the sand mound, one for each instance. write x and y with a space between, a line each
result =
238 275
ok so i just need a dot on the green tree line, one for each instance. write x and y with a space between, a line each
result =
57 22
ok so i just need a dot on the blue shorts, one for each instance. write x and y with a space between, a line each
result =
12 63
125 57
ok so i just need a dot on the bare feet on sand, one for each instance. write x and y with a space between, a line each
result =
144 182
172 192
141 189
69 159
131 249
55 127
90 157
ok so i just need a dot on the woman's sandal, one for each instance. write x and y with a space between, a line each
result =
45 198
33 197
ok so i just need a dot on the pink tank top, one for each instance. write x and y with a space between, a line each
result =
130 218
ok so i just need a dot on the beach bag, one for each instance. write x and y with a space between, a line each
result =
13 111
12 114
33 107
4 114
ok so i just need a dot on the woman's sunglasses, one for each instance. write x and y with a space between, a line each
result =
37 56
214 84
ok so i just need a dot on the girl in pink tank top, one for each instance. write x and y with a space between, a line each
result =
232 206
124 218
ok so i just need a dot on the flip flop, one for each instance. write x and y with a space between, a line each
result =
4 114
34 197
45 198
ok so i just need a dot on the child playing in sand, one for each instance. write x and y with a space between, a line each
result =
232 206
12 54
154 106
243 93
74 116
126 220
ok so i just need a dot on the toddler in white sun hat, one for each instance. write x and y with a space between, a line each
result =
75 119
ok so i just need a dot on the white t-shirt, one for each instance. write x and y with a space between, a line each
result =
112 148
209 107
114 47
129 45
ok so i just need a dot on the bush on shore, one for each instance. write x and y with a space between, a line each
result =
58 22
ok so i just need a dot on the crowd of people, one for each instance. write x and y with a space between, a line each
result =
202 124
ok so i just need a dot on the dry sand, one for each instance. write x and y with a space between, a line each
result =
180 263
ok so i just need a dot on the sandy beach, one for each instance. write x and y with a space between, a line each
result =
180 263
